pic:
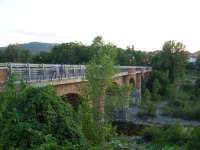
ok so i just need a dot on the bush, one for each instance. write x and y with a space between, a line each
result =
146 97
175 135
151 134
147 109
193 142
35 118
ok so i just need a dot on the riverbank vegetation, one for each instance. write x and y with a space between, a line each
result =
36 118
174 137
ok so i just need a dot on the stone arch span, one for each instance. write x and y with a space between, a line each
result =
132 82
111 91
73 98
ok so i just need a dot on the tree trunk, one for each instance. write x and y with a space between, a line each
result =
101 106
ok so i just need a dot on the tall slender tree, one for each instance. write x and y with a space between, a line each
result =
100 71
174 59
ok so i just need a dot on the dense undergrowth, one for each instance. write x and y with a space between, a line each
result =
175 137
35 118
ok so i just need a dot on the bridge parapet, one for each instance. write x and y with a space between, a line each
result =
44 72
36 73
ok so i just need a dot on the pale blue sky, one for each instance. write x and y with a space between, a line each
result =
145 23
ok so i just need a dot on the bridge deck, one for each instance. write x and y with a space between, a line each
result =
32 73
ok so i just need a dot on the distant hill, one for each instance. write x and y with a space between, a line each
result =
197 53
36 47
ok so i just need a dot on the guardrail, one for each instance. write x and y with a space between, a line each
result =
42 72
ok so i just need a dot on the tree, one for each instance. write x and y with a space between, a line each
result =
155 90
146 97
42 57
70 53
98 41
35 118
198 62
16 53
197 87
193 142
100 71
174 59
1 56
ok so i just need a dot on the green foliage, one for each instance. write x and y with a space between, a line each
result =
148 108
174 137
151 134
100 72
197 87
163 84
184 109
155 90
71 53
171 59
146 97
98 134
198 62
174 57
36 117
42 57
1 56
173 92
194 139
98 41
16 53
117 98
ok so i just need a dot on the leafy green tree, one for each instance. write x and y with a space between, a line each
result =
100 72
98 41
35 118
155 90
175 135
1 56
173 92
174 59
162 77
193 142
15 53
42 57
152 134
70 53
198 62
117 99
197 87
146 97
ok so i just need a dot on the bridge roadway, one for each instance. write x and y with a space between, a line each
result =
67 78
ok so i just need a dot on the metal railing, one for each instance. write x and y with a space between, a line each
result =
49 72
42 72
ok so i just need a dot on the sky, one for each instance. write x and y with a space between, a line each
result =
146 24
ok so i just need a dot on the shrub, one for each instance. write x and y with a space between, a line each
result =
147 109
193 142
151 134
146 97
175 135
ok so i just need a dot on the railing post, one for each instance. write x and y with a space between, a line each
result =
43 71
29 72
11 69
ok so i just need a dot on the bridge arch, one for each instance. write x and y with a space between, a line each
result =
111 91
132 82
73 98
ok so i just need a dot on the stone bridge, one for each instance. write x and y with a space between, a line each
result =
67 79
